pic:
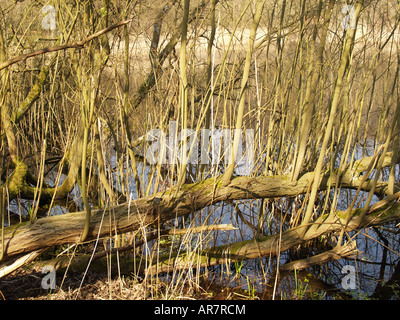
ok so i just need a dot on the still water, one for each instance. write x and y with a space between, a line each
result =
373 274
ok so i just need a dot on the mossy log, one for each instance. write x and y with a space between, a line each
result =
273 245
164 206
250 249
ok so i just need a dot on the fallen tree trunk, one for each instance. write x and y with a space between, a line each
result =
269 246
275 244
345 251
164 206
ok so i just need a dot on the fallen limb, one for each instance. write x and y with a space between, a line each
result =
339 252
164 206
13 265
274 245
98 262
250 249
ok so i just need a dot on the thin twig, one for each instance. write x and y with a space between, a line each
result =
77 45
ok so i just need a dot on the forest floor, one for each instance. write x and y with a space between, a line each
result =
26 284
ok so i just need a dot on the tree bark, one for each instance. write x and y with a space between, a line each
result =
275 244
67 228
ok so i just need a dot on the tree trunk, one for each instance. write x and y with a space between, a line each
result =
167 205
275 244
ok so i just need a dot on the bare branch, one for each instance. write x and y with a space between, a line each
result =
76 45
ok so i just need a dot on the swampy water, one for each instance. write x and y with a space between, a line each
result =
373 274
